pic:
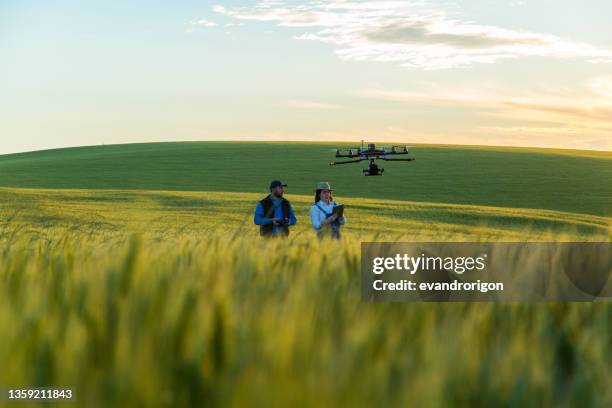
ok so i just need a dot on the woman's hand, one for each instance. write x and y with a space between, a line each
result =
331 219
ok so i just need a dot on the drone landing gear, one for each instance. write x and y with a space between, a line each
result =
373 170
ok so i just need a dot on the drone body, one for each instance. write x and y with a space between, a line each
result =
371 153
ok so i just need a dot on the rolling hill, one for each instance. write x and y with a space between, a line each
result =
557 180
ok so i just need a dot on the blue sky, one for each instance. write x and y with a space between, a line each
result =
519 73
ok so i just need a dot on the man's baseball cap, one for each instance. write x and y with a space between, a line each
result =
276 183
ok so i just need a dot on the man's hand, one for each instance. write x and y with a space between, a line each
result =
276 221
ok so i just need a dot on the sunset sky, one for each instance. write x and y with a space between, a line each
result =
518 73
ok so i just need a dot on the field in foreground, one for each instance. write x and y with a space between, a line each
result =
231 320
137 298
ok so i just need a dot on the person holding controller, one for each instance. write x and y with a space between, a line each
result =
326 215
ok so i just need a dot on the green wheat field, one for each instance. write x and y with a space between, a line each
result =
134 275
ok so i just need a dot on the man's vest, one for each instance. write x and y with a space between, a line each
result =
268 207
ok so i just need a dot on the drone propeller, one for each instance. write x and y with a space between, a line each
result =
345 162
385 159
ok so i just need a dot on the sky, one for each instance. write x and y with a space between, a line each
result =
480 72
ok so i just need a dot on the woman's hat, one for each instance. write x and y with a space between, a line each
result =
324 185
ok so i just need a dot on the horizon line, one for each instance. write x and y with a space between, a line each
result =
341 142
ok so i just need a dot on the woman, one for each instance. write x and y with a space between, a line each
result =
321 213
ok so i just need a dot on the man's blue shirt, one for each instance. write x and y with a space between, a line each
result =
278 213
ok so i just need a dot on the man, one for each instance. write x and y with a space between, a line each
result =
274 214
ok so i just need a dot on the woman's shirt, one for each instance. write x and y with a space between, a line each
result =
317 216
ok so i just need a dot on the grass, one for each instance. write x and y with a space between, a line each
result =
153 298
135 276
171 213
512 178
224 320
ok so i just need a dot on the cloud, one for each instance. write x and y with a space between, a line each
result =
507 136
195 25
555 130
409 33
540 115
569 105
420 33
597 112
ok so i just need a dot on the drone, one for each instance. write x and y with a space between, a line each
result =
371 153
